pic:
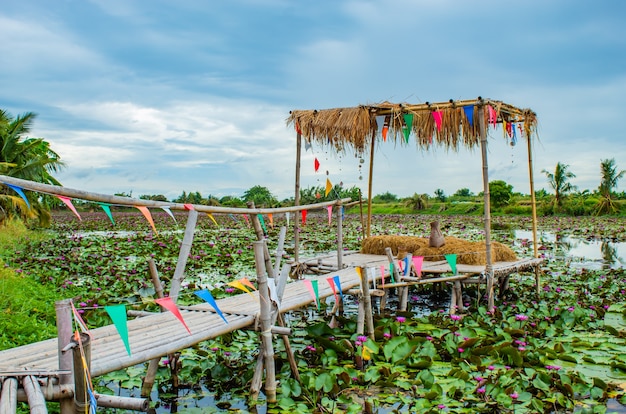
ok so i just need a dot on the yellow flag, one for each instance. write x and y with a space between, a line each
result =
212 218
329 187
367 353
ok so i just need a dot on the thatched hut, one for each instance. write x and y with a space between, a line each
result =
453 125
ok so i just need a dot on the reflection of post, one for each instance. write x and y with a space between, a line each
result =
609 254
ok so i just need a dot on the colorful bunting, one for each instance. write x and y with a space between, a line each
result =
316 163
329 187
331 282
271 217
438 117
262 221
382 275
107 210
245 216
169 213
212 219
330 214
393 279
246 282
417 263
303 217
312 290
408 126
19 191
469 113
207 297
493 116
146 213
386 128
307 145
69 205
238 285
358 272
169 304
451 258
407 266
79 320
189 207
337 281
380 123
117 313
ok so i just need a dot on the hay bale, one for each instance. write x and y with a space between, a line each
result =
468 252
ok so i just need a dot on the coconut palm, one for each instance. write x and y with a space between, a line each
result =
26 158
559 181
417 201
610 177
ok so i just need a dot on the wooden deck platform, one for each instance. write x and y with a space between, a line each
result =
160 334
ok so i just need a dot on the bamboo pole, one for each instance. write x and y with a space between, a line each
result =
153 365
183 255
369 187
533 201
296 221
266 317
64 334
339 237
36 400
81 400
124 403
8 398
361 212
487 202
279 250
367 302
260 236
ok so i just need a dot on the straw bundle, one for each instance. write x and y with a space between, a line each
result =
468 252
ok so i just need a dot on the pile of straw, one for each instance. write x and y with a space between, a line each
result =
468 252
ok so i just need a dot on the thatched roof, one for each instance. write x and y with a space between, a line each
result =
355 127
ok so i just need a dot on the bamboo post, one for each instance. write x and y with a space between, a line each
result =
369 187
396 274
487 202
360 319
36 400
459 295
63 311
81 400
533 202
339 237
279 250
185 248
8 398
361 212
260 236
367 302
266 325
296 221
153 365
125 403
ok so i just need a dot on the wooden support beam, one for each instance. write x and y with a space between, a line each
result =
8 397
125 403
36 400
63 310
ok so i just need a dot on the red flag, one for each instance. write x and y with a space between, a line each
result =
169 304
303 217
317 164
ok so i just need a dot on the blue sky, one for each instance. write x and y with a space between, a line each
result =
161 97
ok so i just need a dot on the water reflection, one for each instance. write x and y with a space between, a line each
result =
597 254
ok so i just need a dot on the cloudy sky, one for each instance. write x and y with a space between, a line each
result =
161 97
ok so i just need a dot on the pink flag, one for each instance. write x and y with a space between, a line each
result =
189 207
245 216
309 286
438 116
417 263
493 116
69 204
382 275
331 282
330 214
146 213
169 304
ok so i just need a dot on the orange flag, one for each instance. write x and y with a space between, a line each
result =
329 187
146 213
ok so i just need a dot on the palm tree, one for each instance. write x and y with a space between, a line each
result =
610 177
559 181
417 201
26 158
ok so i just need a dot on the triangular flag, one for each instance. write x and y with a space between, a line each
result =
358 272
245 281
297 126
451 258
493 116
189 207
107 211
337 281
408 126
118 316
438 116
262 221
309 285
400 266
237 284
407 266
380 122
386 128
69 205
307 145
316 163
232 216
330 214
417 263
146 213
212 219
304 217
287 215
245 216
331 282
329 187
504 127
169 304
393 279
317 293
469 113
382 275
19 191
208 298
509 128
271 217
169 213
